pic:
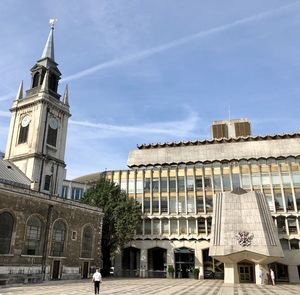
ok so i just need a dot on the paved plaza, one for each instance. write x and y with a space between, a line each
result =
149 286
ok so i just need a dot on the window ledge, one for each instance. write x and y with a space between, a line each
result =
51 147
6 255
82 258
57 257
33 256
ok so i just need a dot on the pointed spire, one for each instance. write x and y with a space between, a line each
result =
45 84
20 91
66 96
49 47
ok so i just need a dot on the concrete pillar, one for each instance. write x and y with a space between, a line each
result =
261 274
199 262
231 275
293 274
143 263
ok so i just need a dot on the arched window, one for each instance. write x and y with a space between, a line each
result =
58 239
6 230
36 79
87 242
53 83
33 239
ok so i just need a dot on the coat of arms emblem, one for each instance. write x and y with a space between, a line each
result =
244 238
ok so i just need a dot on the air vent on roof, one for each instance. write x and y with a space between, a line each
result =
9 167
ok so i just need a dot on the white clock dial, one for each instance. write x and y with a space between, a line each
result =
53 123
25 121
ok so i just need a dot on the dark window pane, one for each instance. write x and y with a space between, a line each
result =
6 229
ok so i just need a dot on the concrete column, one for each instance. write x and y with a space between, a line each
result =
231 275
199 262
261 274
143 263
293 274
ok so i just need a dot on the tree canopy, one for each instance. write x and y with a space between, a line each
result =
122 215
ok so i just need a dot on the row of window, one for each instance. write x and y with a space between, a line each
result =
194 226
76 193
35 236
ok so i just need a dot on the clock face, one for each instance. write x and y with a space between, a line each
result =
25 121
53 123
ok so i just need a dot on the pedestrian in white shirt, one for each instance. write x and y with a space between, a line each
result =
97 279
272 275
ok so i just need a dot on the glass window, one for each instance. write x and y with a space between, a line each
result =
181 184
191 206
6 230
275 179
87 242
209 221
52 136
33 242
200 206
281 225
58 239
139 228
296 178
246 181
164 184
131 187
294 244
182 226
156 226
164 204
289 203
165 226
284 244
172 184
155 204
47 182
199 183
192 226
23 135
278 200
265 179
286 180
77 193
269 198
147 226
173 224
226 182
207 183
292 225
139 186
173 204
65 190
190 183
297 196
201 225
147 204
209 201
217 182
124 184
255 179
181 204
236 180
155 184
146 185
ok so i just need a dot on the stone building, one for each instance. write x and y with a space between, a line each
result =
175 183
41 235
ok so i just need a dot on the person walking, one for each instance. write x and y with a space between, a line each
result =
272 275
97 279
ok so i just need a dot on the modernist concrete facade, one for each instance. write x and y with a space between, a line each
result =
175 184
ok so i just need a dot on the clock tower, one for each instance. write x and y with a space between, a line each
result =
38 127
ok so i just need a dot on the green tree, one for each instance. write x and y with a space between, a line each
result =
122 215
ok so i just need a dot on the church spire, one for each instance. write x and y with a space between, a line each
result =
66 96
49 47
20 91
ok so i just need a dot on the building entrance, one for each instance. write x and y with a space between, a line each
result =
157 262
55 270
184 262
85 270
246 272
131 262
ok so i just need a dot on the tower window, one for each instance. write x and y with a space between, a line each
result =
23 134
36 79
52 131
24 129
47 182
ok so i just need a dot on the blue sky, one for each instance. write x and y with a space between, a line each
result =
143 71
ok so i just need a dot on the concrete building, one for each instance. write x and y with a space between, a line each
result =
42 236
176 182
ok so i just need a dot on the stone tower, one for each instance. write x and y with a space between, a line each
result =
38 127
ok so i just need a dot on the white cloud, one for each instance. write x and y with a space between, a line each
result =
155 50
179 128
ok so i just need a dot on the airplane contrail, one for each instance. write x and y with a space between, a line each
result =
178 42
